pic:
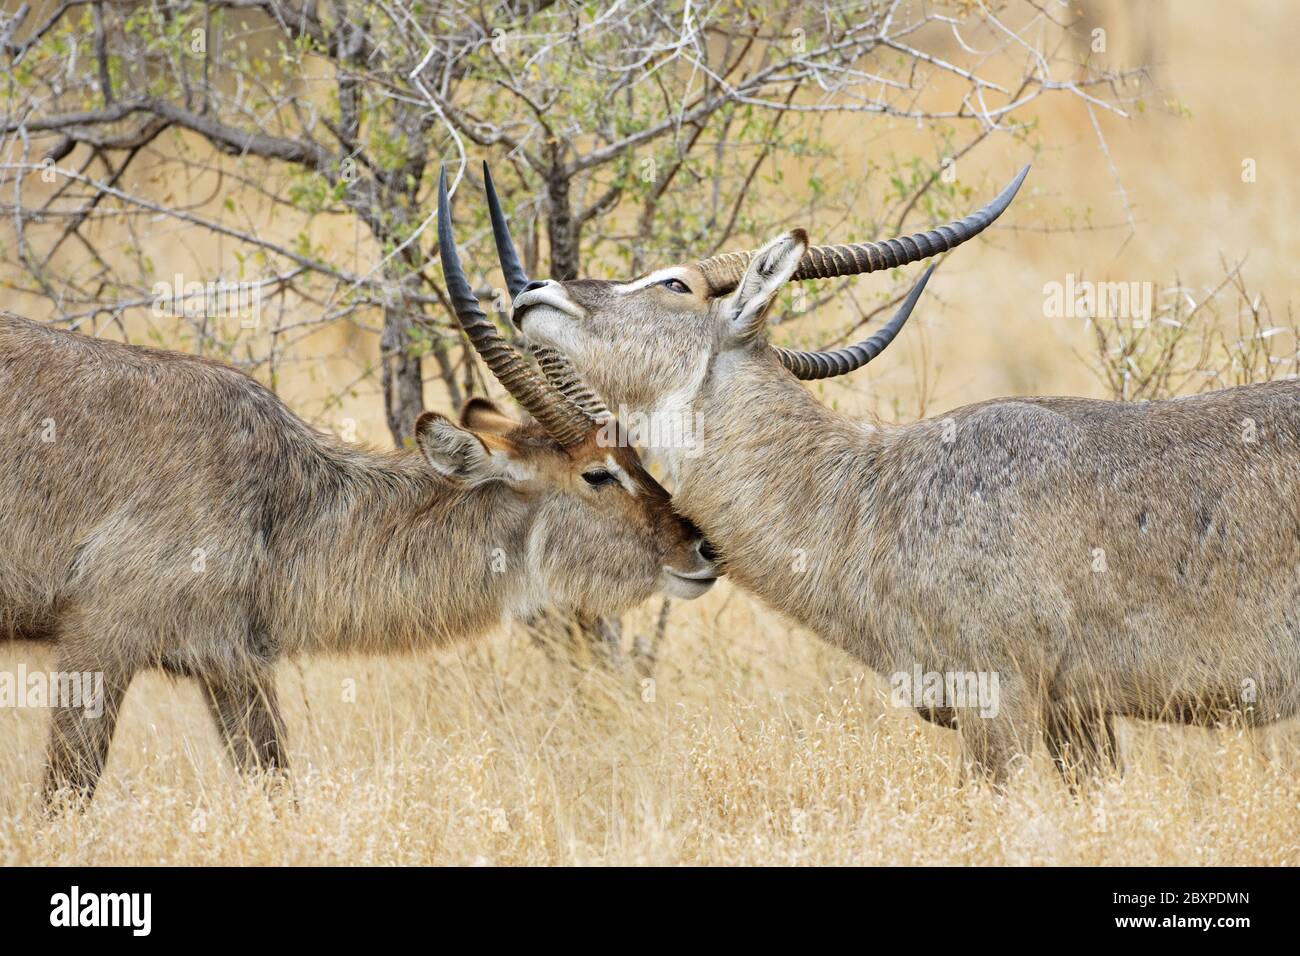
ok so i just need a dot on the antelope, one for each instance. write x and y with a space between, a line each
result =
166 511
1100 559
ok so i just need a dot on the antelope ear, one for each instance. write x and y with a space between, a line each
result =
481 415
453 451
769 269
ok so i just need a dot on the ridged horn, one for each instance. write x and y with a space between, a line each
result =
832 362
829 262
554 366
559 371
563 420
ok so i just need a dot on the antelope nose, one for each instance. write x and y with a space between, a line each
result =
522 303
706 551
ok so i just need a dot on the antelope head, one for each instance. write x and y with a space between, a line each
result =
654 342
604 535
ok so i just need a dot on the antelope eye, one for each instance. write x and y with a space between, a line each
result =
597 478
676 285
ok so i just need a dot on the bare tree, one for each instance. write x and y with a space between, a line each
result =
635 132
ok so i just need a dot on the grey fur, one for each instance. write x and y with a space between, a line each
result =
182 517
1104 559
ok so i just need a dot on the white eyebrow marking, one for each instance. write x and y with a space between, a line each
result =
654 278
612 467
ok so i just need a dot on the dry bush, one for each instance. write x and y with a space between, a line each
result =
1194 341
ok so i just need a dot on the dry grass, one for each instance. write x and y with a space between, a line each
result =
761 746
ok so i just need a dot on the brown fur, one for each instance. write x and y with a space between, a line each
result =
184 518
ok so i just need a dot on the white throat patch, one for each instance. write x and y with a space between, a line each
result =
678 407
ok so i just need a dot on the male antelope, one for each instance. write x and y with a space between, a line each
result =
1103 559
160 510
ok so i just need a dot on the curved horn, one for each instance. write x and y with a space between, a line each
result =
511 268
554 366
559 371
828 262
564 420
832 362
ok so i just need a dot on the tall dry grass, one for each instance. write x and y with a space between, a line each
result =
760 743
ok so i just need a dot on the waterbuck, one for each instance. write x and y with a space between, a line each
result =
1098 559
161 510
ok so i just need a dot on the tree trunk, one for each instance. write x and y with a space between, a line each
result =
561 229
403 375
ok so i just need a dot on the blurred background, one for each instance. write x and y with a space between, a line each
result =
150 149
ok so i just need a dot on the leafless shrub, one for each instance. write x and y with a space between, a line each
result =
1194 341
